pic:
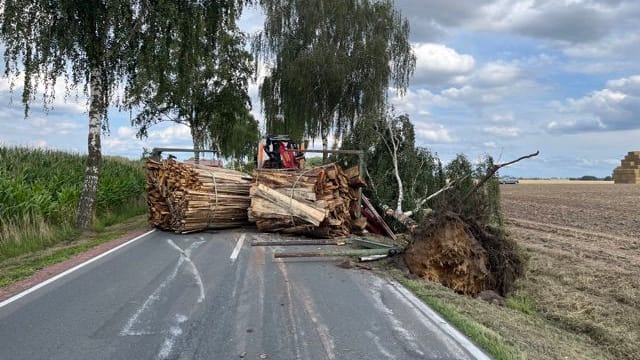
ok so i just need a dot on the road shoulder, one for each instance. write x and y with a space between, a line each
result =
24 272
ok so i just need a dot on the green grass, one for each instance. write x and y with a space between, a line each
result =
518 330
521 303
40 190
484 337
18 268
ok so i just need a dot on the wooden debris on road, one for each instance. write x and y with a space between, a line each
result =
186 198
320 202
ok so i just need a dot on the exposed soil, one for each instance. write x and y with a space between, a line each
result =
584 269
464 256
449 254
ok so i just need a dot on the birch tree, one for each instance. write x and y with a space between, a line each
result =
331 61
95 46
197 75
388 140
85 43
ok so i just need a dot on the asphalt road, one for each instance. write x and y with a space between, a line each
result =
203 296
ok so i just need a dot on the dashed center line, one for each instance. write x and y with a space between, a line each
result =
236 250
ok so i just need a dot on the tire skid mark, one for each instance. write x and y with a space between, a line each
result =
376 340
292 318
249 307
310 309
407 340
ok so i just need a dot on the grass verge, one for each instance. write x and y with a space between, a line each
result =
20 267
33 233
487 339
514 331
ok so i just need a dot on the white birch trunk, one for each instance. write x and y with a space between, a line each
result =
196 144
394 158
396 172
86 207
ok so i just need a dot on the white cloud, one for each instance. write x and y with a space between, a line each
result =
472 96
438 64
625 44
41 144
170 135
126 131
496 73
616 107
433 133
490 144
580 28
570 21
502 118
503 131
415 101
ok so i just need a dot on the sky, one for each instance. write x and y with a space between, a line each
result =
496 77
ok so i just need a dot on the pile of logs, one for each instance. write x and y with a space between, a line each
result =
319 202
186 198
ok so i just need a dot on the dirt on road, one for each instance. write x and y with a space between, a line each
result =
583 274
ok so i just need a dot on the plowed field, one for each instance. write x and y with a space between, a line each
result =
584 268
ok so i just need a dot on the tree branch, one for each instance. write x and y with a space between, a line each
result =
495 169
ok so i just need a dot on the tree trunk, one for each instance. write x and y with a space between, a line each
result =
196 144
396 172
86 208
325 146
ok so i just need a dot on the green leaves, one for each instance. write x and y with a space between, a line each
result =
332 63
418 167
47 41
196 73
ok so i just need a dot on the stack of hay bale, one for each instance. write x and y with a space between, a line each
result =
629 171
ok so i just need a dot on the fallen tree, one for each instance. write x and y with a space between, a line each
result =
464 255
461 244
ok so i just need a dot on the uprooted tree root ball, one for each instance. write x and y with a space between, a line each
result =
464 256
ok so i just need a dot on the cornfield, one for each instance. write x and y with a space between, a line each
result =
40 189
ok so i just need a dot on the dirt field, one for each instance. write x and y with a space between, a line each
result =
583 274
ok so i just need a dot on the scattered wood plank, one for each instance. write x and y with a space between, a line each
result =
378 218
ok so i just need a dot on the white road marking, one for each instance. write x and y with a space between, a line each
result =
155 295
433 317
236 250
69 271
194 270
170 339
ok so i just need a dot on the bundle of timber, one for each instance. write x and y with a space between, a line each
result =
188 197
629 170
319 202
